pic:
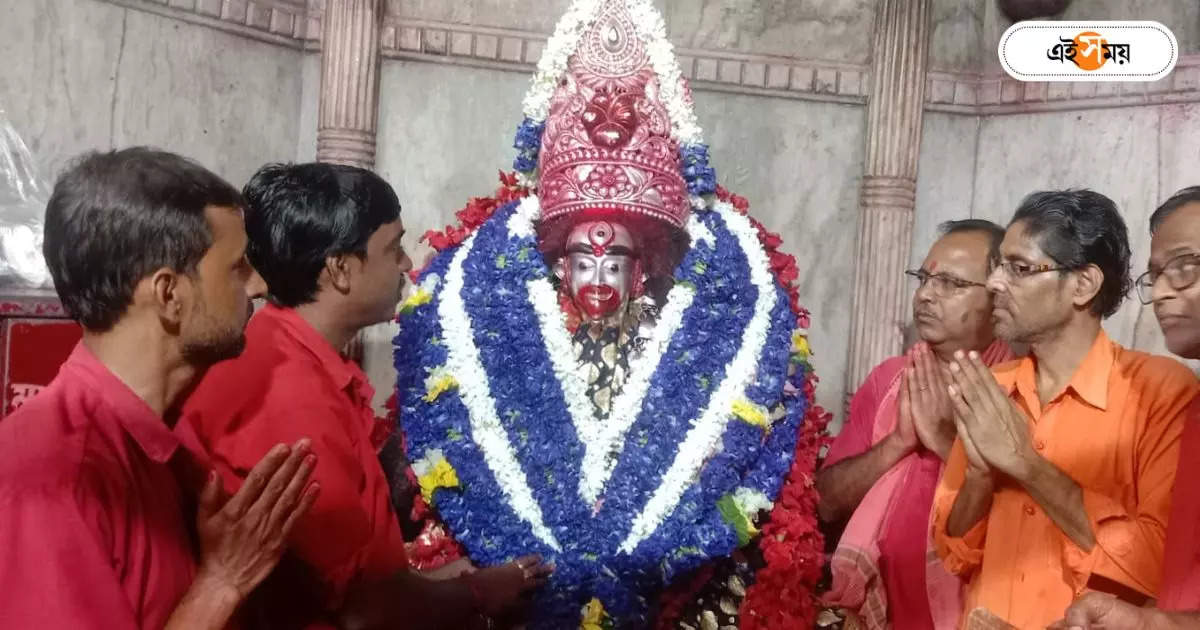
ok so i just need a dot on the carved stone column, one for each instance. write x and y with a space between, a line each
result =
348 114
349 110
889 187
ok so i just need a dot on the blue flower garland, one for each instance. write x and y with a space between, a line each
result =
528 143
530 403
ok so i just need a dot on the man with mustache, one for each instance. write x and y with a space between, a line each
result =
1171 285
147 251
327 240
1061 476
884 465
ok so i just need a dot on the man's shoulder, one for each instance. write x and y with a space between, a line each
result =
887 369
60 446
268 381
45 438
271 360
1153 371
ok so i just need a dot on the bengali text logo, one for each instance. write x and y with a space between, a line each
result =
1088 51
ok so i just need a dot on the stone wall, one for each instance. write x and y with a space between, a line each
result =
83 74
780 85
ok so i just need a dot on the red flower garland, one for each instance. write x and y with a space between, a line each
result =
783 593
477 211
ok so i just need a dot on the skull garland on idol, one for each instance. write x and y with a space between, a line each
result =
606 363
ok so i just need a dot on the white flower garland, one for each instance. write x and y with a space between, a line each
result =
558 343
463 362
703 440
553 63
700 232
685 128
544 301
599 462
602 439
653 31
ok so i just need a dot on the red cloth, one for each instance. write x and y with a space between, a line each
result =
885 568
1180 588
856 436
290 383
902 547
92 534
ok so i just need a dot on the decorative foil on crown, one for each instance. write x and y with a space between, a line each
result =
607 143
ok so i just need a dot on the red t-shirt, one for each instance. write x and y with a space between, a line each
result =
92 531
1180 588
290 383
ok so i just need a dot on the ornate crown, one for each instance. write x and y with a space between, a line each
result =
608 141
609 124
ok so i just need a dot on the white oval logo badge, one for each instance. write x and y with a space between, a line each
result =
1088 51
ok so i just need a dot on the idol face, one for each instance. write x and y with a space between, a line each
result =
599 269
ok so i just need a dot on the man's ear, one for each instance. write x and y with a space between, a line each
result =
338 269
1088 282
167 292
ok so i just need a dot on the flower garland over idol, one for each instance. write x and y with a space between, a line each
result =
607 364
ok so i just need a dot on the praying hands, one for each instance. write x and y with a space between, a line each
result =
995 433
926 413
996 437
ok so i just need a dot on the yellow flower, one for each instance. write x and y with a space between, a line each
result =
440 475
751 413
593 616
418 298
800 343
438 383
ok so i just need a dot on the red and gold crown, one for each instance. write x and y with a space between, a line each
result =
607 146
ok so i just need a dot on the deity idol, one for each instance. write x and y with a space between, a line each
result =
607 364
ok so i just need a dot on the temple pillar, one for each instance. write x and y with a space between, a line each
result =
889 186
348 115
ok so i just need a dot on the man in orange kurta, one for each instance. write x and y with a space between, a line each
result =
1061 477
1171 284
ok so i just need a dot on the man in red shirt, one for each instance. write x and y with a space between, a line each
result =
1172 285
146 252
327 240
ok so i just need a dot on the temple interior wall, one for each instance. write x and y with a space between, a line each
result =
781 88
83 74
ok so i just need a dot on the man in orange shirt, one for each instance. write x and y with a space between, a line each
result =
1061 477
1172 285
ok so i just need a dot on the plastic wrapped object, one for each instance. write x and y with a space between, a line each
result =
23 196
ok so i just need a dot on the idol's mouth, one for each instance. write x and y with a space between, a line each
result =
600 294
